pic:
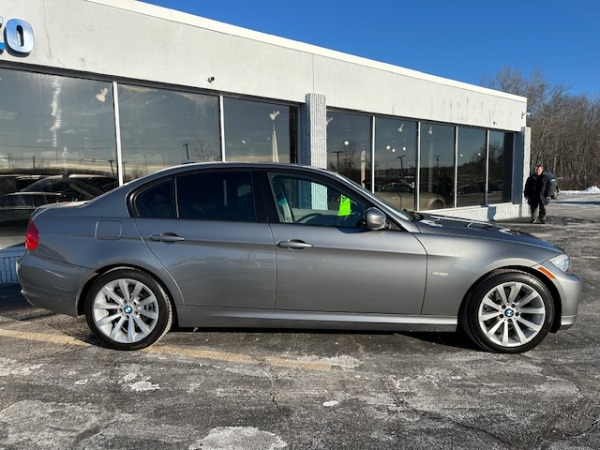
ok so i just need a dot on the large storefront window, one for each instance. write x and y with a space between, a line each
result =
162 128
57 144
257 131
53 125
471 167
349 146
437 164
396 161
501 166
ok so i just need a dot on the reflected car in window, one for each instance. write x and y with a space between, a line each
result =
15 182
16 207
401 195
287 246
74 187
478 187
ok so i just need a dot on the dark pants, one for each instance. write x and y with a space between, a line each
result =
542 207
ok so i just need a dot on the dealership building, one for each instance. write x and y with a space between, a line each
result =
122 88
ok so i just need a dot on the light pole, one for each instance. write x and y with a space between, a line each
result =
401 158
337 154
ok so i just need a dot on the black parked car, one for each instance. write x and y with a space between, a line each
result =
554 184
37 190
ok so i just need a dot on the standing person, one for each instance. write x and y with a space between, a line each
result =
537 192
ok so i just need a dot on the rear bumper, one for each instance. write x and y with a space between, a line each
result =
50 284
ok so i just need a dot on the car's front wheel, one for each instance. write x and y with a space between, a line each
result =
127 309
509 312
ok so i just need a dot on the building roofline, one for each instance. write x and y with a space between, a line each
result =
160 12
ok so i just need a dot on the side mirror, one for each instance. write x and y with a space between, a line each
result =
376 220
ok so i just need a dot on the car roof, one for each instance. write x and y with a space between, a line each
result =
183 168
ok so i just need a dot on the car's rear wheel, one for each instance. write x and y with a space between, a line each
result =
127 309
509 312
437 204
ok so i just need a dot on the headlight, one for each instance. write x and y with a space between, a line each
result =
562 262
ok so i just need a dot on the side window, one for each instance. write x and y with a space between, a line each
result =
225 196
156 201
314 202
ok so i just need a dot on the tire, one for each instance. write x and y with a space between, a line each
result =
509 312
128 309
438 204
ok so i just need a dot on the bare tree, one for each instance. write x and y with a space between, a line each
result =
565 129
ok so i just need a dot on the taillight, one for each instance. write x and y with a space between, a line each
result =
32 236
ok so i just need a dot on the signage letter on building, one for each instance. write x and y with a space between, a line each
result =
18 37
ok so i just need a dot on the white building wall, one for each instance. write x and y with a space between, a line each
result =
131 39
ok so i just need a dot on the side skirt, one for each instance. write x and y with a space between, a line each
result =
231 318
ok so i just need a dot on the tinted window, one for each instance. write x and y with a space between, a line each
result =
216 196
310 201
156 201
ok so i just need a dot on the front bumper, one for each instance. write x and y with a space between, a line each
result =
569 288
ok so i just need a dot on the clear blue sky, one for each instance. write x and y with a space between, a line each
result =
464 40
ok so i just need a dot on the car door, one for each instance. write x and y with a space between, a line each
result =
328 261
212 243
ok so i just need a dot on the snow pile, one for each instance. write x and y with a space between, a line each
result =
589 190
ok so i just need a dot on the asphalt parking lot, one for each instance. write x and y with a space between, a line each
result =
199 389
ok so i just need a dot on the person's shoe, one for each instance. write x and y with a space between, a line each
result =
542 221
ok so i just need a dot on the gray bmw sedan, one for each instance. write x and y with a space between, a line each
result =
287 246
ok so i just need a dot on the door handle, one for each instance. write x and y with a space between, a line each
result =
294 245
166 237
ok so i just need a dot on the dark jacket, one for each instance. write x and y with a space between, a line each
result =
538 189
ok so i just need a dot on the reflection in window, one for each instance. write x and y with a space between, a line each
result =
437 164
396 160
157 201
162 128
257 131
223 196
349 146
52 125
309 201
500 166
471 167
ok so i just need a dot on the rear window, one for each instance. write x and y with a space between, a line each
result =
220 196
156 201
225 196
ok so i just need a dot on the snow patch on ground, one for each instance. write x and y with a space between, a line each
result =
588 190
341 361
239 438
10 367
